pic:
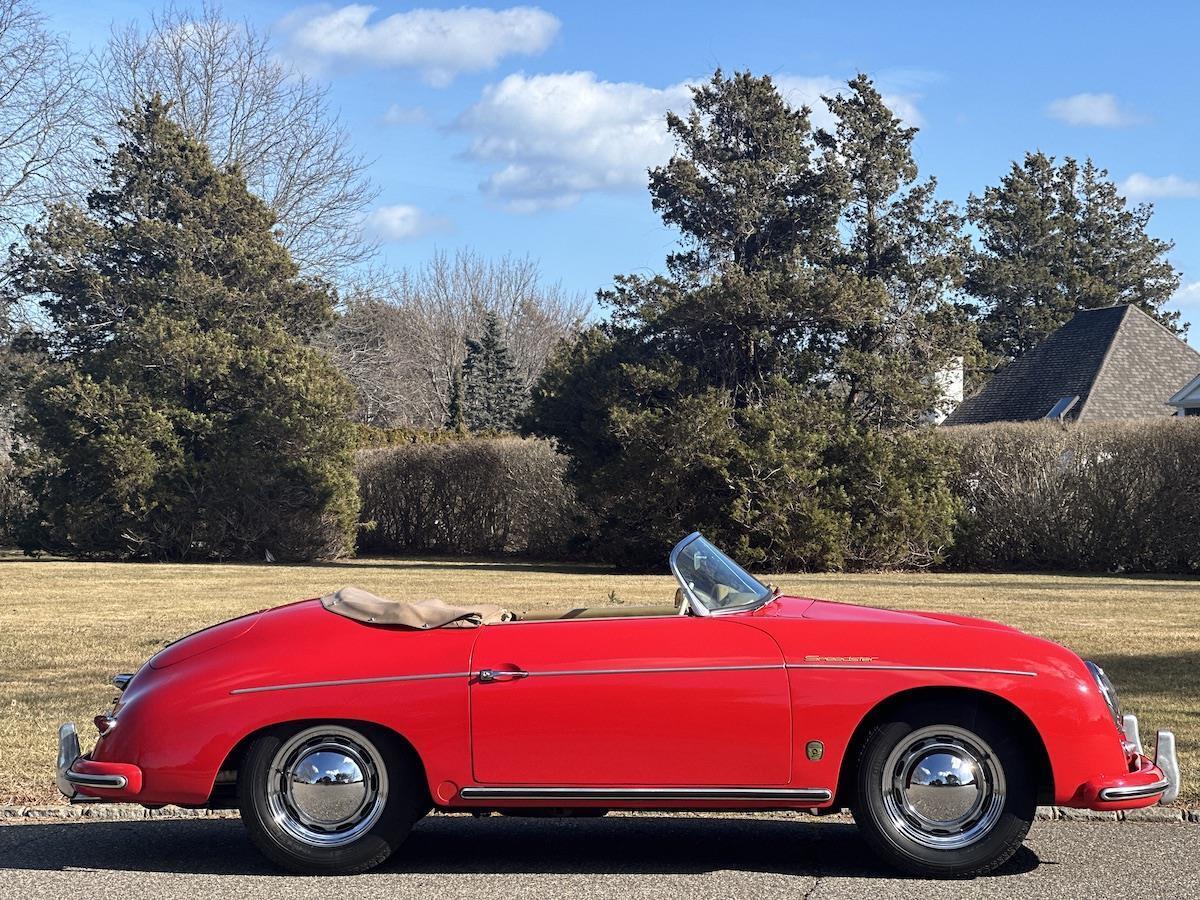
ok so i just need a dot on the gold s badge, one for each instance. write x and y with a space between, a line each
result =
814 750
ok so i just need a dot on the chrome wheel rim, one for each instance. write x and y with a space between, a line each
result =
326 786
943 788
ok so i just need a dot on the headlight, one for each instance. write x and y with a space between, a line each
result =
1107 691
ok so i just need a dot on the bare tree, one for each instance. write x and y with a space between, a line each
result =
230 89
402 336
41 116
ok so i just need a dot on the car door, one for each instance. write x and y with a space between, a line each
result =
670 700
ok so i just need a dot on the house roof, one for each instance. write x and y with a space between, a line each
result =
1119 362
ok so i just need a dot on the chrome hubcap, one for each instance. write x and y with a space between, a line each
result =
943 787
327 786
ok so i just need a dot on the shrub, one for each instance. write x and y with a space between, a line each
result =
468 497
1100 497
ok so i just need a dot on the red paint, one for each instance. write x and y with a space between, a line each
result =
623 710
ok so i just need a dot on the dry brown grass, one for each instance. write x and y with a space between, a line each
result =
65 628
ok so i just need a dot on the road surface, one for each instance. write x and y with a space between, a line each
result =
626 857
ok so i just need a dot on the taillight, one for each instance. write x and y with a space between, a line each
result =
105 724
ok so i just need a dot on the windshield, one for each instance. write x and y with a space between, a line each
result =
711 580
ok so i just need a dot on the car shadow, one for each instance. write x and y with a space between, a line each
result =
459 844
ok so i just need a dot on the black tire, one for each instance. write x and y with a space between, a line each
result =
297 845
989 813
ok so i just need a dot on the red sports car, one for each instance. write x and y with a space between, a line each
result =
335 724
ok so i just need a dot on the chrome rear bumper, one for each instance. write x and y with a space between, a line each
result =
66 778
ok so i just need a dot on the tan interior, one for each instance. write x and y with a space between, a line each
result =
608 612
601 612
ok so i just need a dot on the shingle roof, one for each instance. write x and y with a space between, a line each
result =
1119 361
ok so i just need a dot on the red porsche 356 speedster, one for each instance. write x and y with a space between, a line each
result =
335 724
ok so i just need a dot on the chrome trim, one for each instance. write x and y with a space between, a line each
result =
633 671
68 752
120 682
814 795
1168 762
1134 793
647 670
382 679
1107 692
698 608
1133 737
96 781
899 668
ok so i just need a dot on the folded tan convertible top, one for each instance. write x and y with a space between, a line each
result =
363 606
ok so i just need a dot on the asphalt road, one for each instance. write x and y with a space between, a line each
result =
624 857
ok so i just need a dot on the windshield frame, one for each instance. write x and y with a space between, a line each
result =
694 601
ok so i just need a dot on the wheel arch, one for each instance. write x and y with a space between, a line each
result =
224 789
986 700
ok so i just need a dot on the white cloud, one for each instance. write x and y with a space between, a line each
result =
1139 186
439 43
1102 110
799 91
405 115
1187 296
404 223
555 138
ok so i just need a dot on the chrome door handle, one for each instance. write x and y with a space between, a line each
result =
490 676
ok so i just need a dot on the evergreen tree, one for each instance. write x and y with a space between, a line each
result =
1055 238
731 395
181 413
493 396
900 260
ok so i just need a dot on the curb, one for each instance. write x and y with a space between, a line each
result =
132 812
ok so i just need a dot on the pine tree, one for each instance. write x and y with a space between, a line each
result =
182 413
493 396
1055 238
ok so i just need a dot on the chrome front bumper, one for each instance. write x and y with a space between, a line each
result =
1164 758
66 778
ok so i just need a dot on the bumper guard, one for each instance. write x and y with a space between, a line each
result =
77 771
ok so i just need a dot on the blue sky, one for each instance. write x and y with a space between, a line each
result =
527 129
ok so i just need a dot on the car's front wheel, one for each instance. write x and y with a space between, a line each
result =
944 791
329 798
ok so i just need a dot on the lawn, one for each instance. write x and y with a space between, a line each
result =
66 627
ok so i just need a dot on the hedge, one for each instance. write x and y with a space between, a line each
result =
475 496
1106 497
1029 496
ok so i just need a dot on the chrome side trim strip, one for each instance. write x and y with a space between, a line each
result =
96 781
871 666
1135 793
382 679
652 670
648 670
814 795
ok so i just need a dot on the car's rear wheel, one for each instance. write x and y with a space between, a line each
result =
944 791
329 798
